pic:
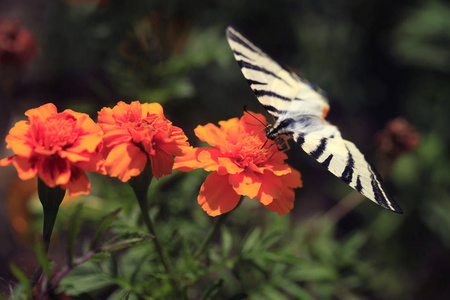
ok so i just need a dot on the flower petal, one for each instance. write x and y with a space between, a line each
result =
284 204
246 183
228 165
150 108
78 184
54 171
26 168
162 163
188 160
125 161
18 139
217 196
217 137
42 112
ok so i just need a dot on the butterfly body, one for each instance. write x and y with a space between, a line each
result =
299 109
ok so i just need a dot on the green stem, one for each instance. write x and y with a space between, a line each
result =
212 231
50 199
141 196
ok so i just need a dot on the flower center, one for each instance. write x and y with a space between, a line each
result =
58 132
146 132
251 151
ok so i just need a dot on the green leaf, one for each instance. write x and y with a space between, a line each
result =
104 225
99 257
227 242
252 241
125 243
293 289
313 273
271 292
24 282
44 261
212 290
83 283
74 229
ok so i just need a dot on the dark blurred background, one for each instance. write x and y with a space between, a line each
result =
384 64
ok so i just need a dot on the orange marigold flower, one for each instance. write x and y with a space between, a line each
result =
244 163
134 133
58 147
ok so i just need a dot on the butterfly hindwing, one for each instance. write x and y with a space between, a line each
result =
299 109
344 160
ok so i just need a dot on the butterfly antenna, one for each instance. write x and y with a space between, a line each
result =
253 116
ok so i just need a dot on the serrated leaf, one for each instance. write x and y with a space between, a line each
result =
74 229
43 259
227 242
104 225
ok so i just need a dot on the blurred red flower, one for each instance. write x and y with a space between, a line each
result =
244 163
135 133
398 137
17 45
58 147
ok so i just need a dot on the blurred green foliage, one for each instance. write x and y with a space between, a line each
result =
376 59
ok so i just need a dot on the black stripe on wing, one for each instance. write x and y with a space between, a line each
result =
316 153
254 82
358 186
241 55
378 189
261 93
238 40
270 109
347 175
247 65
326 162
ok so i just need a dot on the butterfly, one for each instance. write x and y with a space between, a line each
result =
299 109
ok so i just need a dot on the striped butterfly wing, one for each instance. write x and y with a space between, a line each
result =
299 108
344 160
275 87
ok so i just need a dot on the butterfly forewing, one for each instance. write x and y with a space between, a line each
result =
299 108
275 87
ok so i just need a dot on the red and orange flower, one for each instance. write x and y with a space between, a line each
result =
135 133
244 163
58 147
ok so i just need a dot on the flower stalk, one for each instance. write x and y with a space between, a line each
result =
213 230
51 199
140 185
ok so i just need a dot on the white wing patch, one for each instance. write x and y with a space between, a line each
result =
299 109
344 160
275 87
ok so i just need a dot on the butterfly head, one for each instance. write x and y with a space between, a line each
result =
280 138
282 128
